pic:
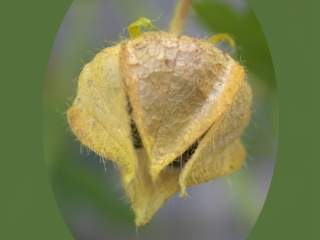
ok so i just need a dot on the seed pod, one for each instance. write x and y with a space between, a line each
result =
169 110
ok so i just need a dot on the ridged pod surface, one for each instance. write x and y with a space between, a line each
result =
169 110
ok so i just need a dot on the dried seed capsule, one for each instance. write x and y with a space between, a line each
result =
169 110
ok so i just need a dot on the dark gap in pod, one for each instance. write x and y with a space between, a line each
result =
181 161
136 139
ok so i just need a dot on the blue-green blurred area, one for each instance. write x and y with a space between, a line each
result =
88 190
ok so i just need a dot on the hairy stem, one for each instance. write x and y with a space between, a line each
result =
180 16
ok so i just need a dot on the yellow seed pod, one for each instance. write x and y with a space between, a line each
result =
169 110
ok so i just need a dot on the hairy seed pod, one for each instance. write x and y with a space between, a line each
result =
169 110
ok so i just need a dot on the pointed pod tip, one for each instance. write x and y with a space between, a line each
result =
142 216
184 193
140 222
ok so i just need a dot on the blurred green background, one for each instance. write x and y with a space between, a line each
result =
88 191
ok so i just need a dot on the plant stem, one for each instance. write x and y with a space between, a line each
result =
180 16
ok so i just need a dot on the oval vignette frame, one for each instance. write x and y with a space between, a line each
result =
89 197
